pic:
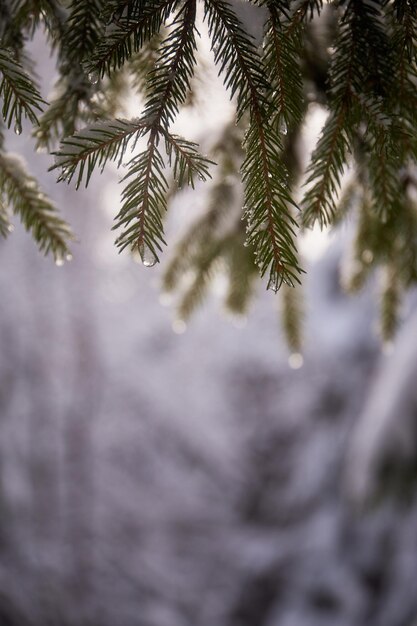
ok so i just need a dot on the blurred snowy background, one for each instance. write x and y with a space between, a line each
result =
155 477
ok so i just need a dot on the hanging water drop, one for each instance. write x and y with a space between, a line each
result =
10 228
179 327
147 255
18 128
284 128
68 256
295 361
93 77
59 261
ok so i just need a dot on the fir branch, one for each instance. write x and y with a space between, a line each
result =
31 14
20 95
330 156
144 202
236 54
328 163
169 81
282 63
145 196
35 209
270 224
82 29
186 161
91 147
139 22
361 79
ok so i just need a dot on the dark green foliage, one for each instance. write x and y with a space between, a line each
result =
19 94
355 57
21 193
94 146
129 28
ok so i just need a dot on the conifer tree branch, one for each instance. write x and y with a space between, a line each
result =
327 166
144 201
95 146
145 196
236 54
270 224
282 63
35 209
20 95
186 161
82 29
137 25
169 81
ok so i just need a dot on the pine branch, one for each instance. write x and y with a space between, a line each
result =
328 164
282 46
36 211
237 57
20 95
93 147
169 81
145 196
82 29
186 161
221 213
361 72
138 23
144 202
47 13
330 157
270 224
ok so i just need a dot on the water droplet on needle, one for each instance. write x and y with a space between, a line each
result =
148 257
295 361
93 77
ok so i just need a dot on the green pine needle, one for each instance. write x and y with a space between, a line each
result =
22 194
19 93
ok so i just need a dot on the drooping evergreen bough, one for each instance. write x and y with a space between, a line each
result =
356 58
